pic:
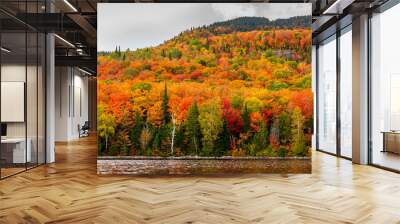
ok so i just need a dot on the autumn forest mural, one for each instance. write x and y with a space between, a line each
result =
239 87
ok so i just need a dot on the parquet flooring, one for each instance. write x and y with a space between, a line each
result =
69 191
10 171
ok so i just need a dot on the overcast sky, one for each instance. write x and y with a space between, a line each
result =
142 25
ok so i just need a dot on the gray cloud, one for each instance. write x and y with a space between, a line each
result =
149 24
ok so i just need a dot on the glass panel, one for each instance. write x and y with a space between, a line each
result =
32 88
31 98
23 90
385 84
327 96
346 94
13 86
41 99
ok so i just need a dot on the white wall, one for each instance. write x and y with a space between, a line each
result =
71 102
33 126
80 109
11 73
61 103
16 73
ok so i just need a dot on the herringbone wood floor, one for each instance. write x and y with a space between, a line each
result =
69 191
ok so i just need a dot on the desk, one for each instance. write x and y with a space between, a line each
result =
391 141
18 150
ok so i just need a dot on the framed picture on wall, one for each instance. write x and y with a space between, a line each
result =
212 81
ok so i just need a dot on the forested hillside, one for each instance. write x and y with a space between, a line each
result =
243 24
240 88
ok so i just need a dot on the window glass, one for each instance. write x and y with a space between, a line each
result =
327 95
14 153
385 89
346 93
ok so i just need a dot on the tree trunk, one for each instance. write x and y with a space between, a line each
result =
195 144
173 133
106 143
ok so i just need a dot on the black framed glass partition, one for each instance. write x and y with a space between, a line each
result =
22 77
385 89
14 153
334 92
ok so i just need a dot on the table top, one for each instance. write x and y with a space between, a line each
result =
13 140
391 132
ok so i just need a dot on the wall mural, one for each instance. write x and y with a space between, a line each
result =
236 85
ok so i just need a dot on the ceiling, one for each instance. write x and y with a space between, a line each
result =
75 21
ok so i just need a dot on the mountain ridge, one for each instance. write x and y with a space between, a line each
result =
248 23
239 24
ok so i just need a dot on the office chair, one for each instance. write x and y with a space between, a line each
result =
84 130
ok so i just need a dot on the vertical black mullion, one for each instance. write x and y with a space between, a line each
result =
45 88
369 88
318 6
45 95
37 89
338 73
316 97
26 86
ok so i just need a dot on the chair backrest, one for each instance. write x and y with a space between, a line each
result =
86 125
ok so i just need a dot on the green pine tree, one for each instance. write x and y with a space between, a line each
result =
180 138
165 107
134 134
261 138
193 128
222 144
157 139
